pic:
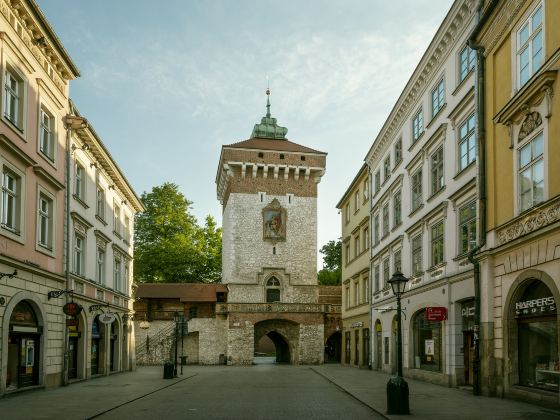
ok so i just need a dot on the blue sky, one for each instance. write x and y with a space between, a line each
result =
166 83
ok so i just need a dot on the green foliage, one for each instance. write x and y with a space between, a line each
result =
170 246
331 274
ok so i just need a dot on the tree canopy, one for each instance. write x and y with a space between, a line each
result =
331 274
170 246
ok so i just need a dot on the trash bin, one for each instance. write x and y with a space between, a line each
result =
183 360
168 369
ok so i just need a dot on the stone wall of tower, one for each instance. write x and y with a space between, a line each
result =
248 260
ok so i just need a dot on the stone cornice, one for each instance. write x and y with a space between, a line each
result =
537 218
458 18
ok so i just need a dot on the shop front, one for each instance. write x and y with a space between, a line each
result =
533 338
24 342
97 344
467 326
427 343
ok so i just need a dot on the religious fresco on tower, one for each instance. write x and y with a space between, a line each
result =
274 222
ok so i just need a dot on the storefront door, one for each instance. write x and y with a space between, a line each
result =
468 356
95 346
73 357
378 345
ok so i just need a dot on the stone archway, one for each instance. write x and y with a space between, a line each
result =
333 348
284 335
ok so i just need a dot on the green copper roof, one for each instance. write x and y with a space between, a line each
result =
268 129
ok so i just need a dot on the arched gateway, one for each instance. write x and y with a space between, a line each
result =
268 188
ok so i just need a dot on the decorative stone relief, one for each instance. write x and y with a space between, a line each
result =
274 222
533 221
531 122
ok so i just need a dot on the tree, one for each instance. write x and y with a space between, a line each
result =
170 246
331 273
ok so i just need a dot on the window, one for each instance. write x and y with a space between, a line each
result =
356 293
11 201
438 98
467 227
467 143
365 290
347 212
347 297
357 201
417 125
376 278
100 269
437 170
387 168
117 274
193 312
376 229
427 342
377 181
273 290
385 219
398 151
386 274
417 189
100 203
13 99
530 46
116 219
126 279
366 237
417 255
397 218
365 189
397 261
46 134
437 243
531 173
467 61
347 254
357 245
127 228
45 222
80 181
79 242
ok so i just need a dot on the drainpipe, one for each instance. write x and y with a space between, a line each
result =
481 181
72 123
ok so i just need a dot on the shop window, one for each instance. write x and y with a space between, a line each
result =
357 347
347 347
427 343
365 350
537 336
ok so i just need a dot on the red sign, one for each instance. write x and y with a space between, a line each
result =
436 313
72 308
73 322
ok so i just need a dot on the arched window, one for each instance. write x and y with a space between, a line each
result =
273 290
427 342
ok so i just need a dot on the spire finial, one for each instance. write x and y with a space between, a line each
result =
267 97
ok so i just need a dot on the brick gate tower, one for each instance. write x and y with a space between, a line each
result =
267 186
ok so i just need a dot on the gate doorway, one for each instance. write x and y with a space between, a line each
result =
333 348
282 334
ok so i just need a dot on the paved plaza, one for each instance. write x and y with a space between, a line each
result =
255 392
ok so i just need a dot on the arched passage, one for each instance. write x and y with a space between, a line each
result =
333 348
283 334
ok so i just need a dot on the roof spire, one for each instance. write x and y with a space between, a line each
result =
267 97
268 128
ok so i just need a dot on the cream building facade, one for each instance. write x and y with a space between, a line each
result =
423 211
354 209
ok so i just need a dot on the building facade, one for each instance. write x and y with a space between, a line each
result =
35 281
354 210
520 266
423 211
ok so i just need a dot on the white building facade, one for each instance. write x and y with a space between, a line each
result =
423 211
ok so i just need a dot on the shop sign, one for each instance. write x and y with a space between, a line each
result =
107 318
436 313
73 322
357 324
467 312
72 308
540 306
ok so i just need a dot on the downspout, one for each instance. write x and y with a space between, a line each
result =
481 182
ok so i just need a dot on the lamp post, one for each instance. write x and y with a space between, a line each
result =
177 319
397 387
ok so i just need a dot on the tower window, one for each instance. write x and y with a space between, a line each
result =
273 250
273 290
261 154
281 155
303 158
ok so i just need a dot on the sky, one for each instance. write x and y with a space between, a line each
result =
166 83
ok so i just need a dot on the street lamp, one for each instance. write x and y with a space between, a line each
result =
177 319
397 388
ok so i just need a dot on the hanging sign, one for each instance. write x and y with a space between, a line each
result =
436 313
107 318
72 308
72 322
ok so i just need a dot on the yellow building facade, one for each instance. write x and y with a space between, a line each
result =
354 209
520 261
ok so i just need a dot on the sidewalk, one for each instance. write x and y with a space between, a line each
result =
429 401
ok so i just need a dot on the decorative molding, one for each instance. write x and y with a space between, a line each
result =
225 308
531 122
545 214
502 22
